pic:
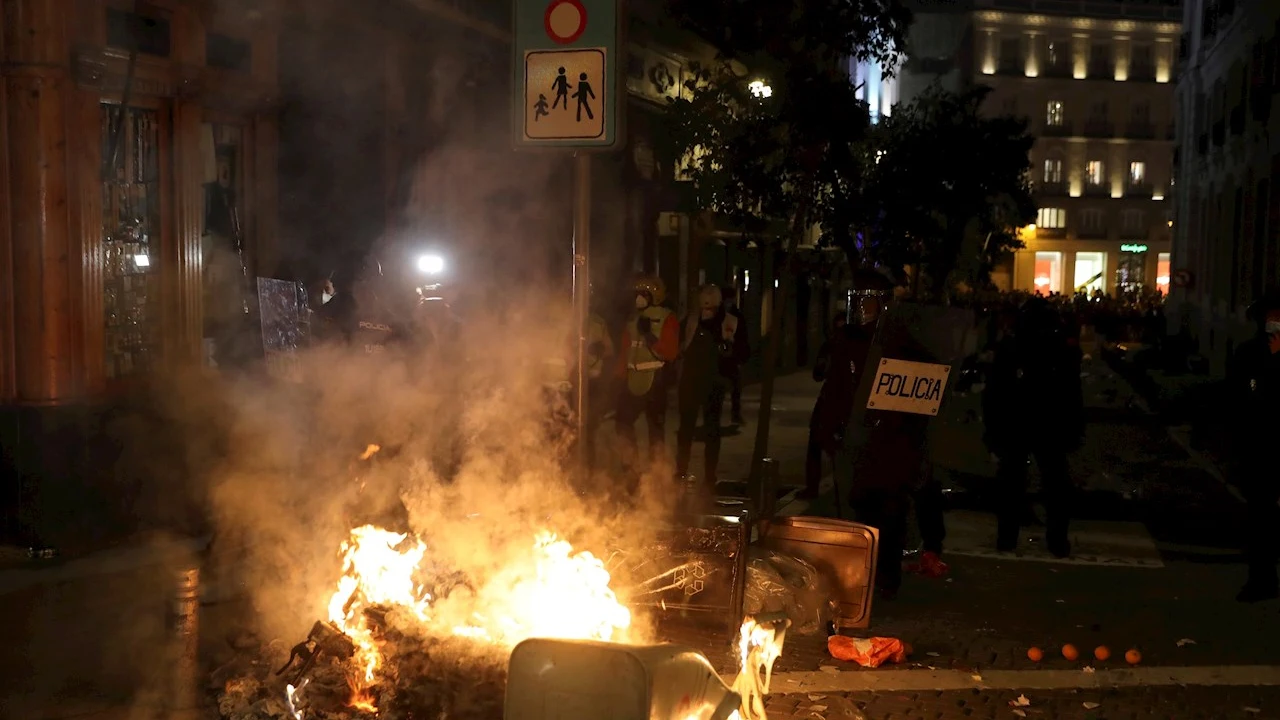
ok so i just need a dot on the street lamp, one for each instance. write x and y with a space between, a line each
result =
759 89
430 264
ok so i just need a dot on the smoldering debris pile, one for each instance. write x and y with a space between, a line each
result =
424 676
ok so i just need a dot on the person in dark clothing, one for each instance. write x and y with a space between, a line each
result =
333 313
734 369
1253 386
888 461
836 367
1033 407
929 505
710 347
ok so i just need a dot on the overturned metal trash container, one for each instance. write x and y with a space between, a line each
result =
844 552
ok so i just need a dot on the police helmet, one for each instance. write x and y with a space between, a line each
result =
652 286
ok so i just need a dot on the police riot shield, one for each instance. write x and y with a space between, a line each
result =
914 354
286 323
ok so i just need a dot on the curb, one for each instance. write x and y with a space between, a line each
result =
842 681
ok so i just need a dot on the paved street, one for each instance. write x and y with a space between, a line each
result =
1156 571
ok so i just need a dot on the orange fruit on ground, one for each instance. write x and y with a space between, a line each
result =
1035 654
1101 653
1133 657
1070 652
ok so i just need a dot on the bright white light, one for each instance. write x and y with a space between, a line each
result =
1042 281
1162 280
142 260
1157 196
746 280
760 90
431 264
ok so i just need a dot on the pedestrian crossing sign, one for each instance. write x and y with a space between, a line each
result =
564 97
566 86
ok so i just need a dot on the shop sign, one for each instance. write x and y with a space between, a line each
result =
1133 248
654 76
910 387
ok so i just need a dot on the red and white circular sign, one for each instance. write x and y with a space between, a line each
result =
565 20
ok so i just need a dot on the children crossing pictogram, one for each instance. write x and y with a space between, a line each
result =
576 109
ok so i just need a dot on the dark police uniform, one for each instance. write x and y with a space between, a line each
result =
1253 383
889 451
1033 407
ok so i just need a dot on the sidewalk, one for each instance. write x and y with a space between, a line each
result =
793 399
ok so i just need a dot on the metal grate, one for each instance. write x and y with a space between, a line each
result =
131 227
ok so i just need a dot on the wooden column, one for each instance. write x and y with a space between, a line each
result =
40 338
184 292
266 151
8 388
84 130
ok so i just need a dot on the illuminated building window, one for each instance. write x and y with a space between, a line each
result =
1095 173
1048 273
1162 272
1090 270
1053 114
1051 218
1137 173
1052 172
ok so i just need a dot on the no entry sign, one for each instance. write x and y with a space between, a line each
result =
565 21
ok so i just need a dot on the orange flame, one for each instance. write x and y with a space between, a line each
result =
758 648
549 591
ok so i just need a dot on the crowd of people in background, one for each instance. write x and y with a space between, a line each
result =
1030 363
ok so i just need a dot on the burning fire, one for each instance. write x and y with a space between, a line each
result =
549 592
760 644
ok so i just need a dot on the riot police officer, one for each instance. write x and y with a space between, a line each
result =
1253 383
1035 374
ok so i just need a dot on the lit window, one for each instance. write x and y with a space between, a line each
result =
1052 172
1048 273
1090 268
1051 218
1137 173
1053 114
1133 221
1163 270
1095 173
1090 220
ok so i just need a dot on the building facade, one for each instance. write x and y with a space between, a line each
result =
1095 81
1227 222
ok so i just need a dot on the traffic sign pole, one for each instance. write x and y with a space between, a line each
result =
582 298
568 94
